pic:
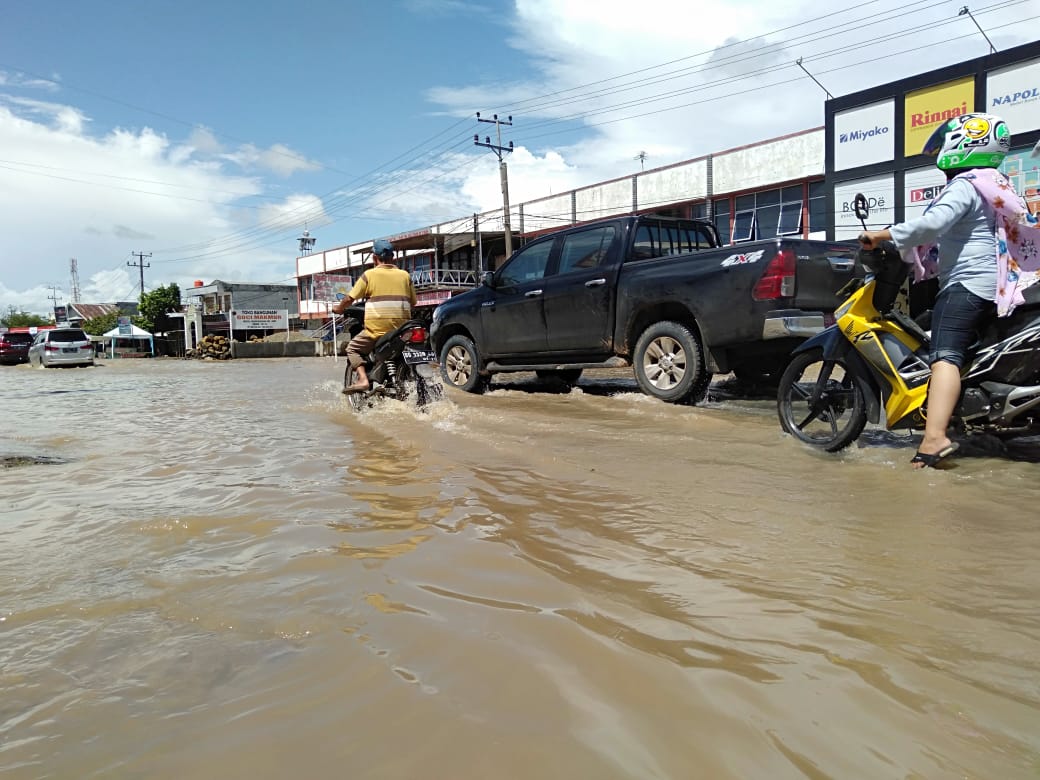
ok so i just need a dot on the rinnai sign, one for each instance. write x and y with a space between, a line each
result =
927 108
260 319
864 135
1014 95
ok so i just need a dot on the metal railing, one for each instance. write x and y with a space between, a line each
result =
444 278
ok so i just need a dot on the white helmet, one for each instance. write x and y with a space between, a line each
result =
969 141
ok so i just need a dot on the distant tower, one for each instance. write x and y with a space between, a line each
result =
641 156
307 242
75 279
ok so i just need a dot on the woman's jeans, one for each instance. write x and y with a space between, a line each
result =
956 321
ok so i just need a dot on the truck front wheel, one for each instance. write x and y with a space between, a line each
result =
669 364
460 365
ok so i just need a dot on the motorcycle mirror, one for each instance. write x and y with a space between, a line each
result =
859 205
1036 150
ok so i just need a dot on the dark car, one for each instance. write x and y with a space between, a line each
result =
14 347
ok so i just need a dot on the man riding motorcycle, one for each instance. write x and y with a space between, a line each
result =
389 297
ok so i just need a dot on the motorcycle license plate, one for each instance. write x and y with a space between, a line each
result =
413 356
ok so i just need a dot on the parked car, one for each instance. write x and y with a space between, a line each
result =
14 347
61 347
655 293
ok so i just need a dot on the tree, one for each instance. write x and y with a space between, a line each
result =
16 318
156 304
99 326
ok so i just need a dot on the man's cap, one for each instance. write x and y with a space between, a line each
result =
382 249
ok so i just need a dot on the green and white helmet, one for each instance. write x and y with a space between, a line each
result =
969 141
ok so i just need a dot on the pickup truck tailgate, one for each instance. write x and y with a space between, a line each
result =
824 267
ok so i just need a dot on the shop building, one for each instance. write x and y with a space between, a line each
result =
874 137
758 191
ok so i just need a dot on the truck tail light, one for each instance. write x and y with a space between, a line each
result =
86 346
51 348
778 279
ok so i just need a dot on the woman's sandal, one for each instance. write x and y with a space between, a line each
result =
932 460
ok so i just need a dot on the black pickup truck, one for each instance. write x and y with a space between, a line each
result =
655 293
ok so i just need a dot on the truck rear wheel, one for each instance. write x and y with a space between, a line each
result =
669 364
460 365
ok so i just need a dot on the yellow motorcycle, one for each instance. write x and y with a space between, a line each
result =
874 360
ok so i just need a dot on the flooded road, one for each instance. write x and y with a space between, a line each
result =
224 573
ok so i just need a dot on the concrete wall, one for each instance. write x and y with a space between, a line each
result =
684 182
604 200
547 213
762 165
265 349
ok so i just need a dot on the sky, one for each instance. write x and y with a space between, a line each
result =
202 138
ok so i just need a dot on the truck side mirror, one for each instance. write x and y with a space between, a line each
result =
488 279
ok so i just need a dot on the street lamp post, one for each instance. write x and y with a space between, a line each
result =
966 12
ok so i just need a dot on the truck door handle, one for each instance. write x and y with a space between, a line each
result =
532 294
841 264
595 282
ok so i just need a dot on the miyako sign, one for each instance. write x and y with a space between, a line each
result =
1013 94
864 135
927 108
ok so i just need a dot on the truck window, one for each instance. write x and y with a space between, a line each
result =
527 265
586 249
644 248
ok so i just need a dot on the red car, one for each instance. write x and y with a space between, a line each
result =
14 347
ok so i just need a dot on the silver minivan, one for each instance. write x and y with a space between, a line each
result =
61 347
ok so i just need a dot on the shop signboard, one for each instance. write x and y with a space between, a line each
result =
126 328
880 194
922 186
926 108
864 135
331 287
61 314
1023 170
260 319
1014 95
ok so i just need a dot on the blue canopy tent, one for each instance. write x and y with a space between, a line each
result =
135 334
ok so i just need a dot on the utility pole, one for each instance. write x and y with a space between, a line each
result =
641 156
140 264
54 301
497 148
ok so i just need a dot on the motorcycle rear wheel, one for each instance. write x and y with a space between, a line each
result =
820 402
358 401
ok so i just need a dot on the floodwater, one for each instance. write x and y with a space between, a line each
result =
222 572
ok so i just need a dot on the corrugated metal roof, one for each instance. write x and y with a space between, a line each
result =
89 311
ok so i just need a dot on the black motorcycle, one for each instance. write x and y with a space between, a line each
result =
401 365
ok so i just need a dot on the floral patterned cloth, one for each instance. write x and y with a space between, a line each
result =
1018 240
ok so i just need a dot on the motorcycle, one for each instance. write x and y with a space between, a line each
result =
400 365
875 357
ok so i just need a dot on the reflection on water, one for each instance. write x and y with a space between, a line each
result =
225 573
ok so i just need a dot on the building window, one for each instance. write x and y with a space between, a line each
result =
817 207
722 219
744 225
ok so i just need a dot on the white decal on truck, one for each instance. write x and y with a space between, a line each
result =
750 257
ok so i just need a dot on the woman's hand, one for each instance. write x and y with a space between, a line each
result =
871 239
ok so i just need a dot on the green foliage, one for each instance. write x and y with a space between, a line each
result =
99 326
22 319
155 305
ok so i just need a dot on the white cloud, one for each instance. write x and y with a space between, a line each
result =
279 159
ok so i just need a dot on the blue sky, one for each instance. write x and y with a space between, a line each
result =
210 134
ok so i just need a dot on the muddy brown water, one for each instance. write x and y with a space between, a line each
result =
216 570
